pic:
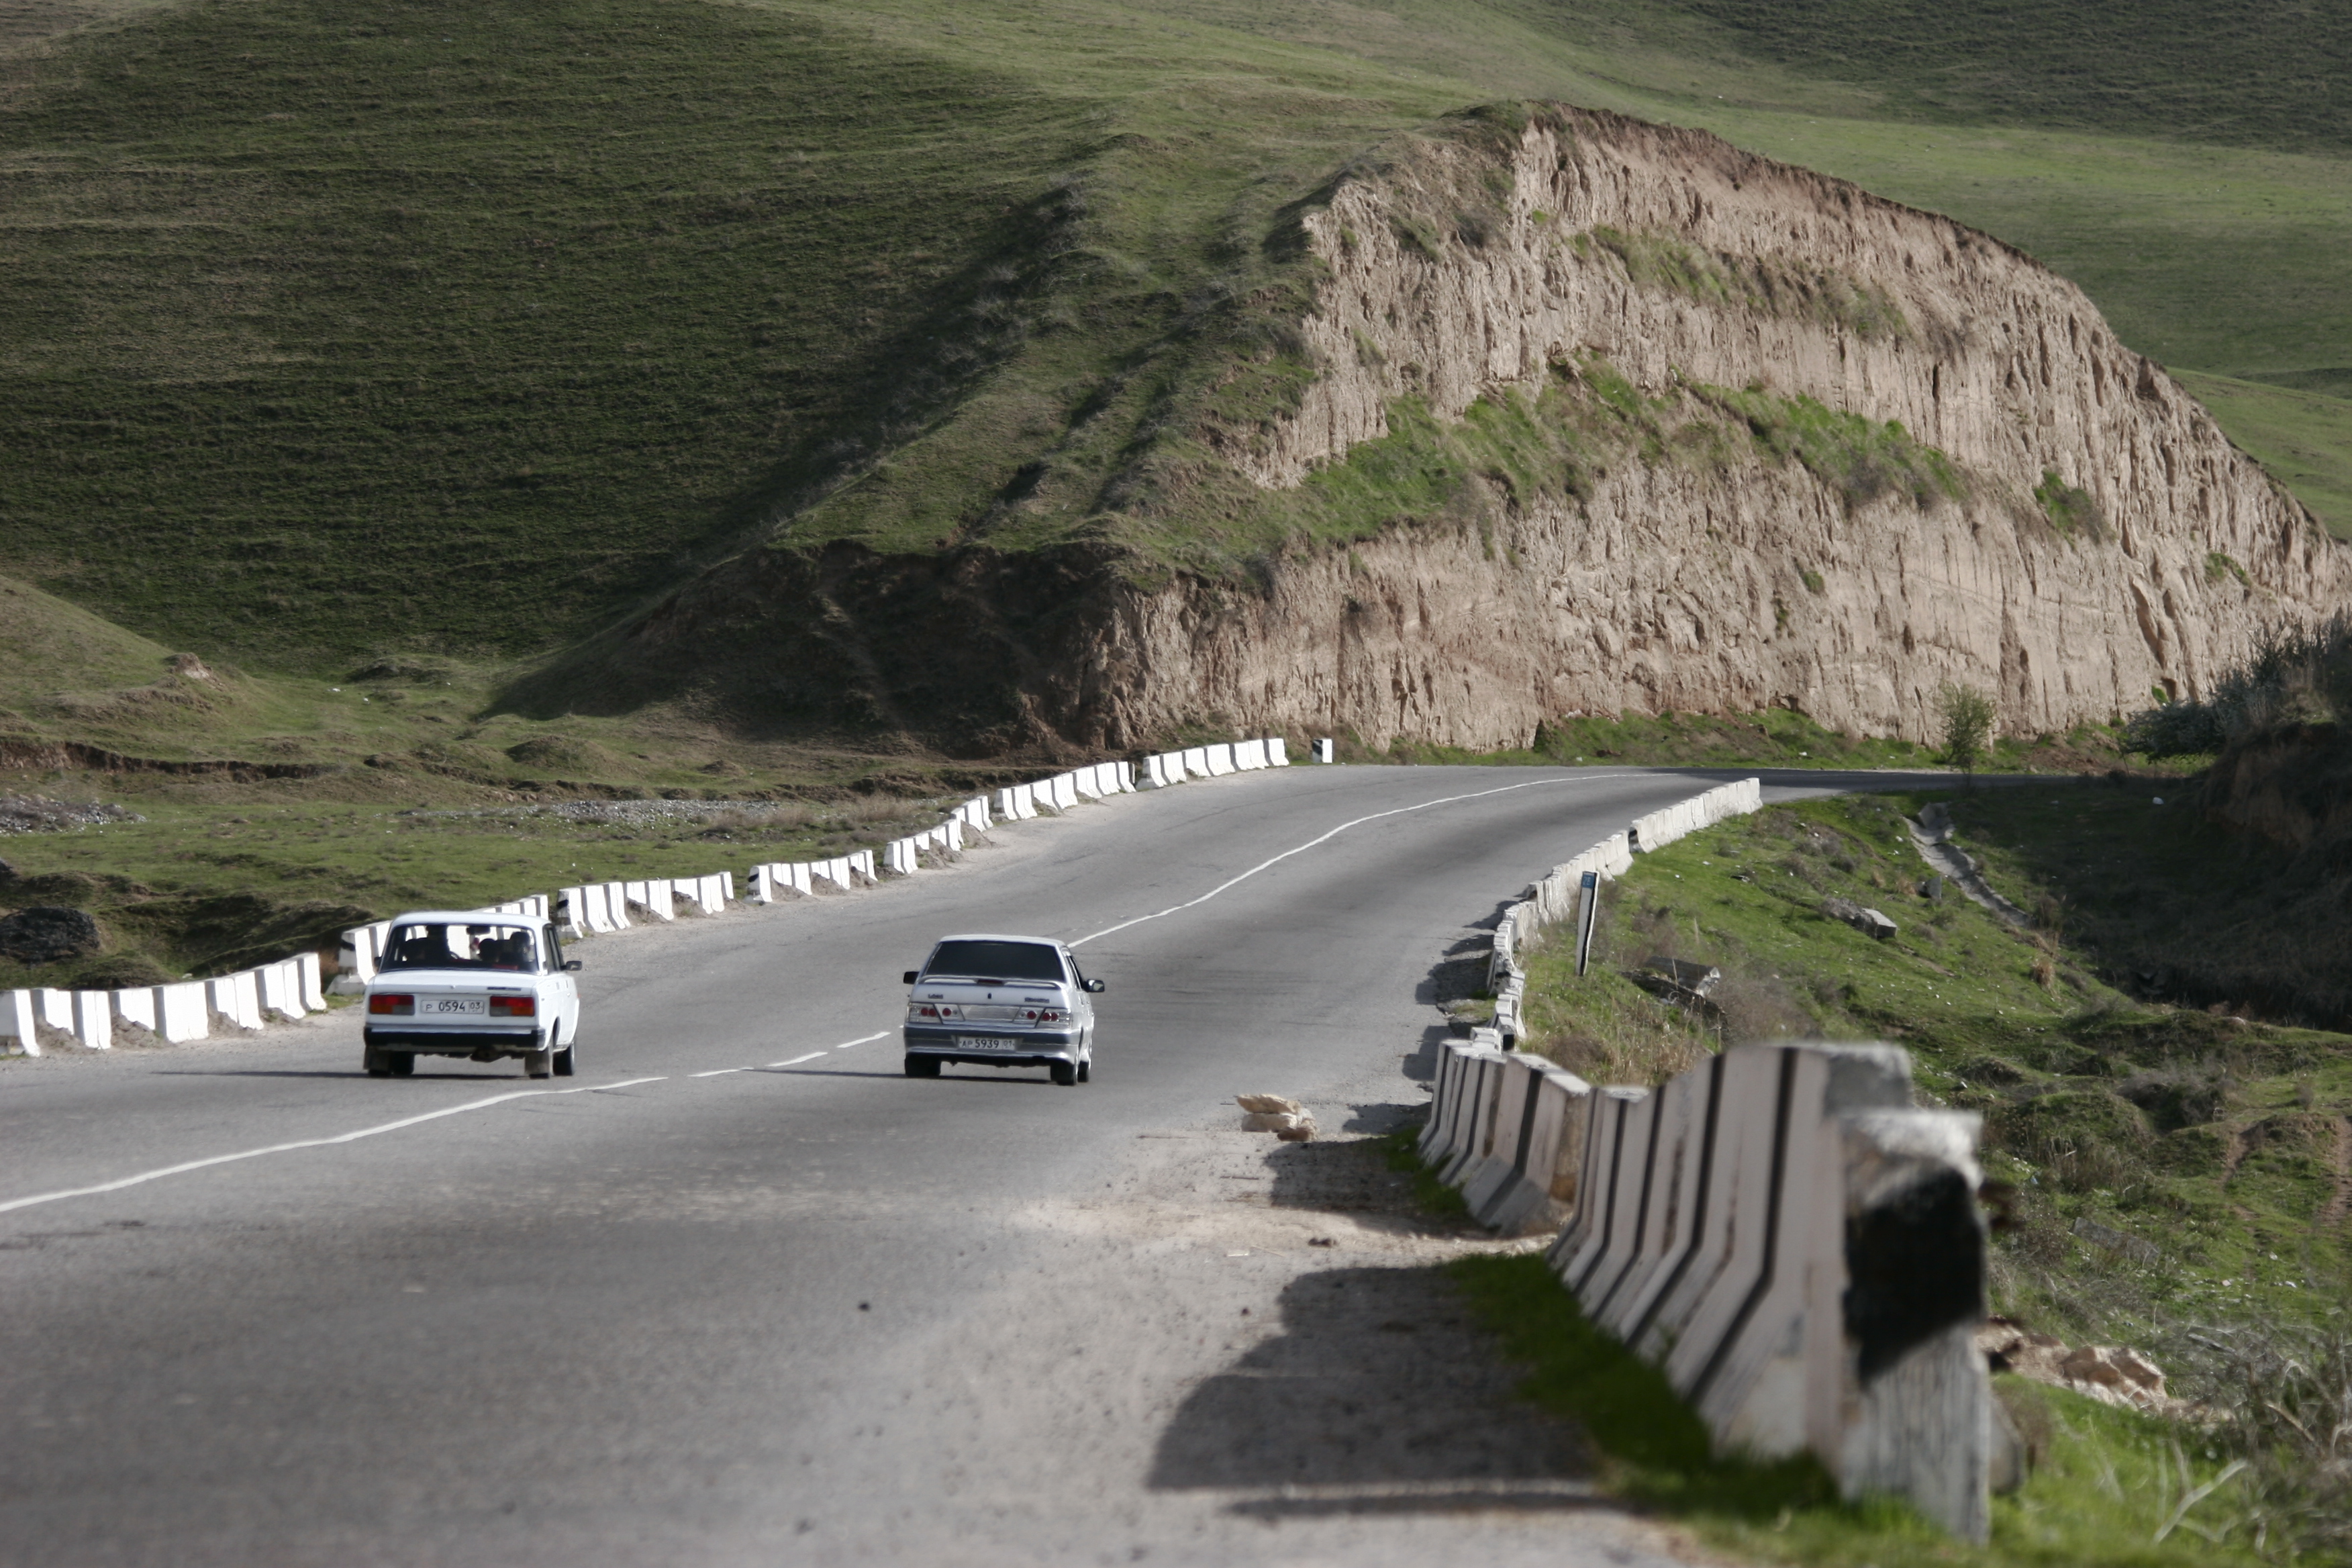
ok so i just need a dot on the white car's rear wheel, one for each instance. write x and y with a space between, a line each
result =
563 1061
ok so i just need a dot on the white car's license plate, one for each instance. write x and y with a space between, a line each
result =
453 1007
986 1043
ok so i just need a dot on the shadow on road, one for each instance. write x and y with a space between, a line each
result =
1351 1176
1378 1396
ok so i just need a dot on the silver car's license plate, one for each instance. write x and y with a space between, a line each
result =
453 1007
986 1043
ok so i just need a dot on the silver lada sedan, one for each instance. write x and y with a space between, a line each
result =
1001 1001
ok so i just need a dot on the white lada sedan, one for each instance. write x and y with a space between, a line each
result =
471 984
1005 1001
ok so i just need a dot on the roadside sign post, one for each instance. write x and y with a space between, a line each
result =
1588 906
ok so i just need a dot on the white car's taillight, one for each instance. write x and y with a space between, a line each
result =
932 1012
1043 1015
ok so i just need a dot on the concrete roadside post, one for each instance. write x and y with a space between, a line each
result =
1483 1091
1540 1184
139 1004
183 1015
94 1019
1587 911
18 1021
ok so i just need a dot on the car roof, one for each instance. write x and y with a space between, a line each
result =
999 936
461 917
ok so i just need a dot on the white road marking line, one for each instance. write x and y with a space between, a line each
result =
717 1072
797 1060
180 1170
1358 822
861 1040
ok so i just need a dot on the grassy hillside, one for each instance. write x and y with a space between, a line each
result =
2269 76
462 330
456 326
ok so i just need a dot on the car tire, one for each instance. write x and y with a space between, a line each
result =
400 1064
922 1066
376 1066
563 1062
539 1064
1065 1073
1086 1070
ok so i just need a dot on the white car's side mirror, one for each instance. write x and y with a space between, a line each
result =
1094 986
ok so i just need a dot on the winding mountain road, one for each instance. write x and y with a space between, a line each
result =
742 1293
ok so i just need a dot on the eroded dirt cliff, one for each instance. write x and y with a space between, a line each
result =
1586 415
1724 579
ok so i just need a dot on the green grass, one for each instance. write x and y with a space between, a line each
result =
2104 1485
2302 437
462 327
2183 68
200 888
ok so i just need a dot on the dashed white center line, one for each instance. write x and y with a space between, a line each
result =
717 1072
861 1040
183 1169
797 1060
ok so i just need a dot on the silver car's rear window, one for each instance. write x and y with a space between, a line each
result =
993 960
486 945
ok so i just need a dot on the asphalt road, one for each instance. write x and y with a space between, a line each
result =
741 1292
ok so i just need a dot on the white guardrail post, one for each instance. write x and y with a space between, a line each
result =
19 1021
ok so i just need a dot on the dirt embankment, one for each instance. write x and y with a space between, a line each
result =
1859 451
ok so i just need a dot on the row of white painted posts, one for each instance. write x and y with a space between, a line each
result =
187 1010
1164 768
1779 1230
292 988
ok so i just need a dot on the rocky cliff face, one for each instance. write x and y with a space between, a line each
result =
2151 555
1805 447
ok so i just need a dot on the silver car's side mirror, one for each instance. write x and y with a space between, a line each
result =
909 977
1095 985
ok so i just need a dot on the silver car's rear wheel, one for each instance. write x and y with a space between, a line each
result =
1065 1074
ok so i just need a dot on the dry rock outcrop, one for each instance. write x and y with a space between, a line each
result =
2153 555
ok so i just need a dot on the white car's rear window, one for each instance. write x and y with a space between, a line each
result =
485 945
998 961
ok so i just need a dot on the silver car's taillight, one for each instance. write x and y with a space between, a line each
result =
932 1012
1043 1015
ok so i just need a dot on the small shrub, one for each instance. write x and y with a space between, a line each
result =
2219 566
1967 723
2069 507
